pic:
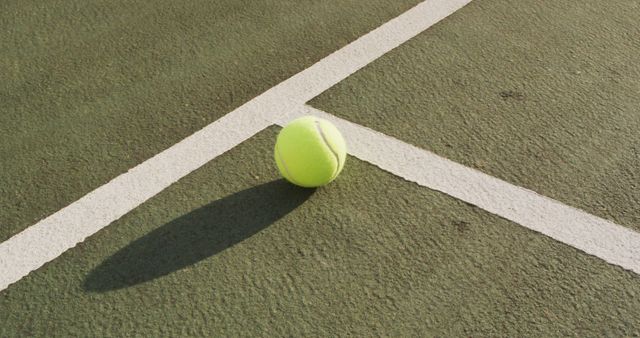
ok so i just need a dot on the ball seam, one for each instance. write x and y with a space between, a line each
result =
335 154
284 165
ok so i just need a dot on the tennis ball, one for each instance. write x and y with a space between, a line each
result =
310 152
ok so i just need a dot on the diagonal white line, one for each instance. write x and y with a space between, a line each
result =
595 236
49 238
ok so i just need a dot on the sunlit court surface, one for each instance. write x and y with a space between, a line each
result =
491 186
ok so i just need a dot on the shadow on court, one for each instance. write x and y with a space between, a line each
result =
197 235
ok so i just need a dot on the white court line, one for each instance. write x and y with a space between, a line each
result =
596 236
49 238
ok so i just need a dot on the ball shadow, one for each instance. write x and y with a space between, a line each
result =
197 235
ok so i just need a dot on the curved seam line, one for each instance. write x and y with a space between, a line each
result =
335 154
284 165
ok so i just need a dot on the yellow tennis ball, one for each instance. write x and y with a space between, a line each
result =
310 152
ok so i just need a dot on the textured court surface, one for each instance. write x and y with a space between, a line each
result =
543 95
95 89
244 253
536 95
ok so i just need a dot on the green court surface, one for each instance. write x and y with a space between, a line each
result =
541 94
90 90
232 250
537 95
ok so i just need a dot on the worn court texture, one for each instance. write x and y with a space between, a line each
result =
237 253
91 90
537 95
510 87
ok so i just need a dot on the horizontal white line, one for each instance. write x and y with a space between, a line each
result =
595 236
61 231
